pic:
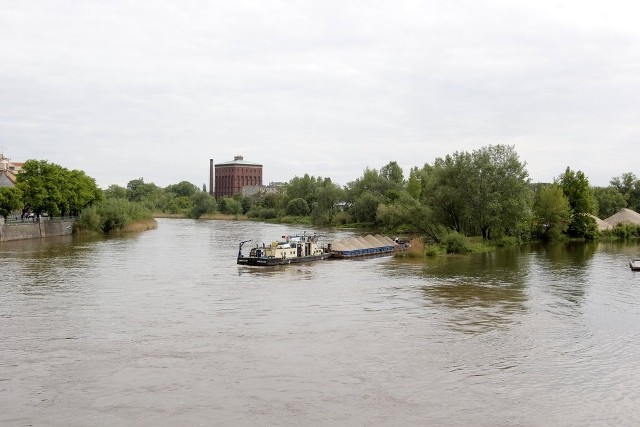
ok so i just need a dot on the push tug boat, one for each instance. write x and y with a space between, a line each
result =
291 249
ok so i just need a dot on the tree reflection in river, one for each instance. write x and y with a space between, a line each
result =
562 270
486 290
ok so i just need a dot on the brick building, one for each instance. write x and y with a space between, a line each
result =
229 178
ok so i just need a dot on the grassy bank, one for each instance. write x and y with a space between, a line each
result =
115 216
216 215
140 225
453 244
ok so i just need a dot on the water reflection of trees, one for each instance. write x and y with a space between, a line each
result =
560 256
562 270
479 292
45 263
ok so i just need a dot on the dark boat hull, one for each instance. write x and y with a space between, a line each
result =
265 261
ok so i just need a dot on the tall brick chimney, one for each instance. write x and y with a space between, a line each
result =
211 177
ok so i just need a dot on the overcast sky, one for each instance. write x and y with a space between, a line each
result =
154 89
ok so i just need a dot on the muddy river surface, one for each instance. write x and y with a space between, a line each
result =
163 328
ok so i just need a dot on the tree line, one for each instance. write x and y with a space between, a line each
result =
43 187
485 192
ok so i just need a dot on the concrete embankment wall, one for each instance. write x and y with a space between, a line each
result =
35 230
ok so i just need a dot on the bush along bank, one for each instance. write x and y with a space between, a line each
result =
115 215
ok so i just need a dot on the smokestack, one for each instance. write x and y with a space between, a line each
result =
211 177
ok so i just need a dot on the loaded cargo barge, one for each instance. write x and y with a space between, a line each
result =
354 247
306 247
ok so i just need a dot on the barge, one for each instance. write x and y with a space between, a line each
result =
307 247
355 247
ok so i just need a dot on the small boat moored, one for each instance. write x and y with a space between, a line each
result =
634 264
289 249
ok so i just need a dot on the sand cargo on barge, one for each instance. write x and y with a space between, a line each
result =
308 247
355 247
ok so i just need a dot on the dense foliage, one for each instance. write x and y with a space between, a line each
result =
112 215
47 187
10 200
552 213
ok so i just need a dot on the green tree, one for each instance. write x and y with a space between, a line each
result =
302 188
297 207
47 187
34 181
445 190
365 207
552 213
371 189
274 201
392 172
629 186
10 200
328 196
149 194
610 201
486 192
411 214
203 204
179 205
183 188
81 192
228 205
115 192
370 182
414 184
575 187
497 190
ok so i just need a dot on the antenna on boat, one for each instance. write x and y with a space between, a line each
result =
240 248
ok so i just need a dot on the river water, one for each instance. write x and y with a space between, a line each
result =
162 328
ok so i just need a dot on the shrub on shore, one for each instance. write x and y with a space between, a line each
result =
112 215
455 243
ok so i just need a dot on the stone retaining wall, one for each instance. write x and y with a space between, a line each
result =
35 230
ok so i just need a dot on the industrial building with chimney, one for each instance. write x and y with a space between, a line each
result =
230 178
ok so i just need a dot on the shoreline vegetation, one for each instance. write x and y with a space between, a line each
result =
130 227
465 202
111 216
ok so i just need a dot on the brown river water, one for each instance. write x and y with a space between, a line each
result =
163 328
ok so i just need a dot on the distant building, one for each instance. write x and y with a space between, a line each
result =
230 178
272 187
8 171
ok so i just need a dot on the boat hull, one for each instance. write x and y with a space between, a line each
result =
634 264
270 261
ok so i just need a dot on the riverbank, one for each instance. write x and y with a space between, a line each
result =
35 230
205 216
130 227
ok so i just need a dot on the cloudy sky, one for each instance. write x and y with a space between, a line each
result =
154 89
